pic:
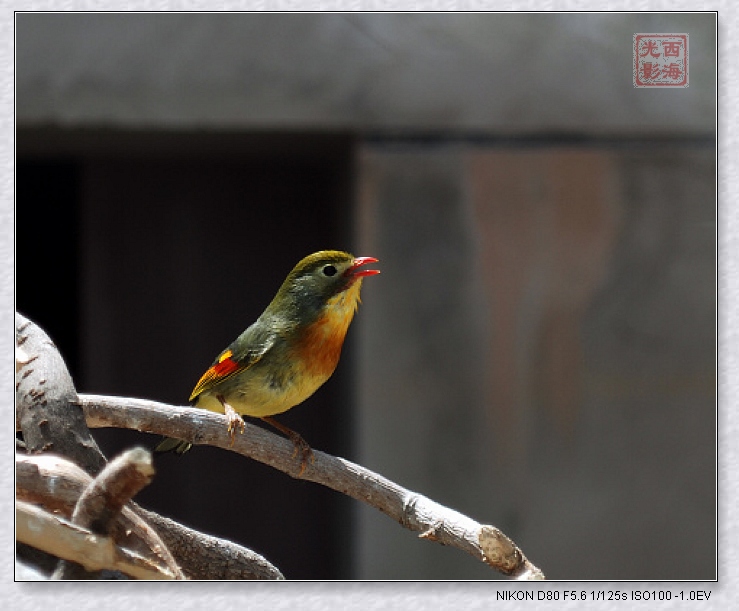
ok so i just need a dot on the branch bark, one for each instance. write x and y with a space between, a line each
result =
102 501
51 420
414 511
56 484
49 415
47 532
47 409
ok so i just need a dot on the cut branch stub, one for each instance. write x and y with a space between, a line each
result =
102 501
47 410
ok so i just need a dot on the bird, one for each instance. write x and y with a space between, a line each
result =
288 352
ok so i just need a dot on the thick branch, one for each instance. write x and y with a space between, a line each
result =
413 511
46 401
204 556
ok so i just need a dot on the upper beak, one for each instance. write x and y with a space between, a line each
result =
354 270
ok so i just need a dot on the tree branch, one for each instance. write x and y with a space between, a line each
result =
103 499
56 536
56 484
46 401
413 511
204 556
51 420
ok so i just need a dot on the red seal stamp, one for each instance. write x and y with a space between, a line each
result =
660 60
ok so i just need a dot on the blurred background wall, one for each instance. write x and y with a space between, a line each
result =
539 351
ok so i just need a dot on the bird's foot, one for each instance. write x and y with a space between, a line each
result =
301 446
303 450
235 422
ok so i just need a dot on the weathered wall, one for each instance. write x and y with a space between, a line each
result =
515 73
540 354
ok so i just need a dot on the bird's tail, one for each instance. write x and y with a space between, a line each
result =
171 444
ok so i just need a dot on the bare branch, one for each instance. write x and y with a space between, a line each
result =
103 500
46 401
49 416
56 484
414 511
47 532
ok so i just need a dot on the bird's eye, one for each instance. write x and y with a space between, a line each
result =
329 270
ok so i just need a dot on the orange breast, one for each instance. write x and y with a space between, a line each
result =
320 348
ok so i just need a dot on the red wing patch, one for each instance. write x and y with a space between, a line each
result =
225 364
223 368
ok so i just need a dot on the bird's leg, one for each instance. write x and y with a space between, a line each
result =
301 445
234 420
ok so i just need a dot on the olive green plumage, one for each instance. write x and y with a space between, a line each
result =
291 349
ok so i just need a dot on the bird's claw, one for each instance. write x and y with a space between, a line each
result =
235 422
302 447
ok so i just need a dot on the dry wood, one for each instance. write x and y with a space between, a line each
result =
413 511
103 499
46 401
56 484
49 416
56 536
51 420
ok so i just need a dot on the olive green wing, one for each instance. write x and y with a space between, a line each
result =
247 350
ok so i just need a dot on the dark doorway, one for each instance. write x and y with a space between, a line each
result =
174 244
46 237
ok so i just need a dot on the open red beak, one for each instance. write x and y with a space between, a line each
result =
355 272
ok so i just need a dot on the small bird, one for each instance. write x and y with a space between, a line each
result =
289 352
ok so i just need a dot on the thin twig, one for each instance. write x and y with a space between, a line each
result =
416 512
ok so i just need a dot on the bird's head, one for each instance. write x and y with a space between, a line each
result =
323 278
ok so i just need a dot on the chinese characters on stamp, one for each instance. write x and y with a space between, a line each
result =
660 60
